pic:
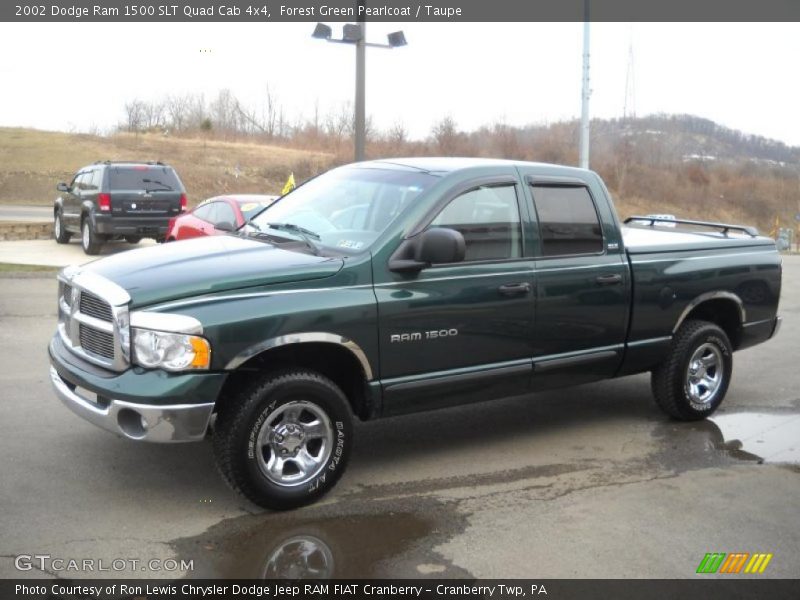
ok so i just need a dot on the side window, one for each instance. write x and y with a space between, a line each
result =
205 212
568 221
488 218
224 214
88 183
78 183
97 179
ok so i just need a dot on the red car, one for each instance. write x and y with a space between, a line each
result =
217 215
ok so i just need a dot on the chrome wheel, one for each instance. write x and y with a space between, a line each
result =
704 374
86 235
294 443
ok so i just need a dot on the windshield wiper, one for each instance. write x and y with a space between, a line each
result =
306 234
294 229
165 187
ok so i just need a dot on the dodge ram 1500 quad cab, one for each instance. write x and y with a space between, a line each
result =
396 286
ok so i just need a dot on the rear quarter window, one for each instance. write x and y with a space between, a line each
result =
148 178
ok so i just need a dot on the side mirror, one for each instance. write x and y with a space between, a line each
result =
438 245
62 187
224 226
441 245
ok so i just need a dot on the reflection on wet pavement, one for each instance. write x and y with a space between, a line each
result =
278 546
772 437
400 528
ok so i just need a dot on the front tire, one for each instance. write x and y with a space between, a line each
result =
60 233
285 441
90 241
694 379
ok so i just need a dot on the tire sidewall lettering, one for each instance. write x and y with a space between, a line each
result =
252 437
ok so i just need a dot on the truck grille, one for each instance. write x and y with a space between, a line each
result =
93 319
67 294
95 307
97 342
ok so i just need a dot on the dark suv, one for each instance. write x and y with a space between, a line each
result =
114 200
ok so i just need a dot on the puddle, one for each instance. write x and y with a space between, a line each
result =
769 437
377 545
728 438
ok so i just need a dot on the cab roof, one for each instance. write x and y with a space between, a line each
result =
446 164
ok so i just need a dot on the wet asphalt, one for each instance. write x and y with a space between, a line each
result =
591 481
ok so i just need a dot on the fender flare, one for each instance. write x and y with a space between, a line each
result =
303 338
719 295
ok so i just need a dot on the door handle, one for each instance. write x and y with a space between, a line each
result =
609 279
515 289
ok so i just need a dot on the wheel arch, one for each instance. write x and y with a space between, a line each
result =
338 358
724 309
87 210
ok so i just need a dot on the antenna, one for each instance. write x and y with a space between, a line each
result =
629 105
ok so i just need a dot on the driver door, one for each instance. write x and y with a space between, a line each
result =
453 333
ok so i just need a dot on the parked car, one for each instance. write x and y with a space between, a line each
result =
218 215
458 280
115 200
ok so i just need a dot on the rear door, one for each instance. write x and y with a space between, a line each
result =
583 284
145 191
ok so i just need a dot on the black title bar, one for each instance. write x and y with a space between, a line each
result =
258 11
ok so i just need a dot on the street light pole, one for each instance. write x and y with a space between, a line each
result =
585 92
360 120
357 35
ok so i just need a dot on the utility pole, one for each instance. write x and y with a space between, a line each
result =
360 121
585 92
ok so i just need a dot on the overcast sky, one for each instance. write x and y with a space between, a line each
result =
77 76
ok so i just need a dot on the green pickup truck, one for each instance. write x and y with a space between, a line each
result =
390 287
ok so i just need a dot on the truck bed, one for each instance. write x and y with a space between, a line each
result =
673 269
647 240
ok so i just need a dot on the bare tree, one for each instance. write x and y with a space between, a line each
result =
178 110
445 135
134 115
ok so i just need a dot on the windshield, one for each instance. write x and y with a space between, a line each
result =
346 208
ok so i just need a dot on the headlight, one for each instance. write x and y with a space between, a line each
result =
170 351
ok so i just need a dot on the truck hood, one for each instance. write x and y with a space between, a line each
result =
205 265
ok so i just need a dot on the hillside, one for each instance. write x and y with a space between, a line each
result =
678 164
32 162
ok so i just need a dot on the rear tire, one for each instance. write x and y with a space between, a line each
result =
133 239
285 441
60 233
692 382
90 241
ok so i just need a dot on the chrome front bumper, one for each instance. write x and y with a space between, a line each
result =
144 422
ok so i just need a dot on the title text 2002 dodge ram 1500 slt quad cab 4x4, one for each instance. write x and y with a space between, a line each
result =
391 287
